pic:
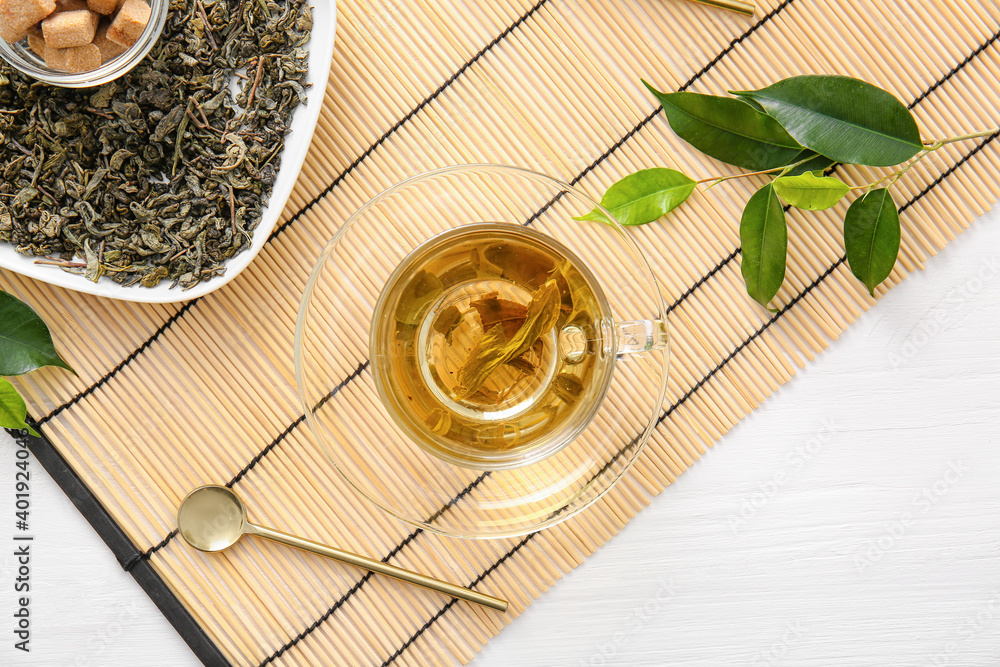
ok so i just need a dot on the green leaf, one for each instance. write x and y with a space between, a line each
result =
845 119
765 242
813 162
25 342
13 411
728 129
871 237
753 103
643 196
811 192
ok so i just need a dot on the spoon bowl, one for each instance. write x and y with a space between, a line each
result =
212 518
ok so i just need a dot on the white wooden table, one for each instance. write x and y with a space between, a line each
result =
854 519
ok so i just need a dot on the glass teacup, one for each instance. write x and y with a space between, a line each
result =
493 344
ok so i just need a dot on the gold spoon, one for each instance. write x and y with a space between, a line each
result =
745 8
213 518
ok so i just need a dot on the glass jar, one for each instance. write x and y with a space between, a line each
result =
24 60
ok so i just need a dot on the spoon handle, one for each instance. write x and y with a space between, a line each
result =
745 8
378 566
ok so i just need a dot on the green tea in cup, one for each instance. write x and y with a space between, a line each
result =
492 345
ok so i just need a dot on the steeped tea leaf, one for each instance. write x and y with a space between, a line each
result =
419 293
765 243
643 196
448 321
567 387
520 264
811 192
728 129
522 364
871 237
494 310
486 357
845 119
494 349
25 342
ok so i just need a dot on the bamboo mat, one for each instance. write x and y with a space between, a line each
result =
171 397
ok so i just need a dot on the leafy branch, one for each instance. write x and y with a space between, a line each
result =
794 130
25 345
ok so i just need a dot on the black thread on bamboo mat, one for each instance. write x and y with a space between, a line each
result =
260 455
114 371
956 69
413 112
687 395
451 603
295 424
145 555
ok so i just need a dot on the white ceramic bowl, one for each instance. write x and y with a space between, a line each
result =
296 145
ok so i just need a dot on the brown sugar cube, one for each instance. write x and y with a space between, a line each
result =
129 22
109 50
70 5
74 60
36 41
17 17
70 29
105 7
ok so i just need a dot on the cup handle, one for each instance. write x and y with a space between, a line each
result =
641 336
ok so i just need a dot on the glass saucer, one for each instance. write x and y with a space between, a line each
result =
340 396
